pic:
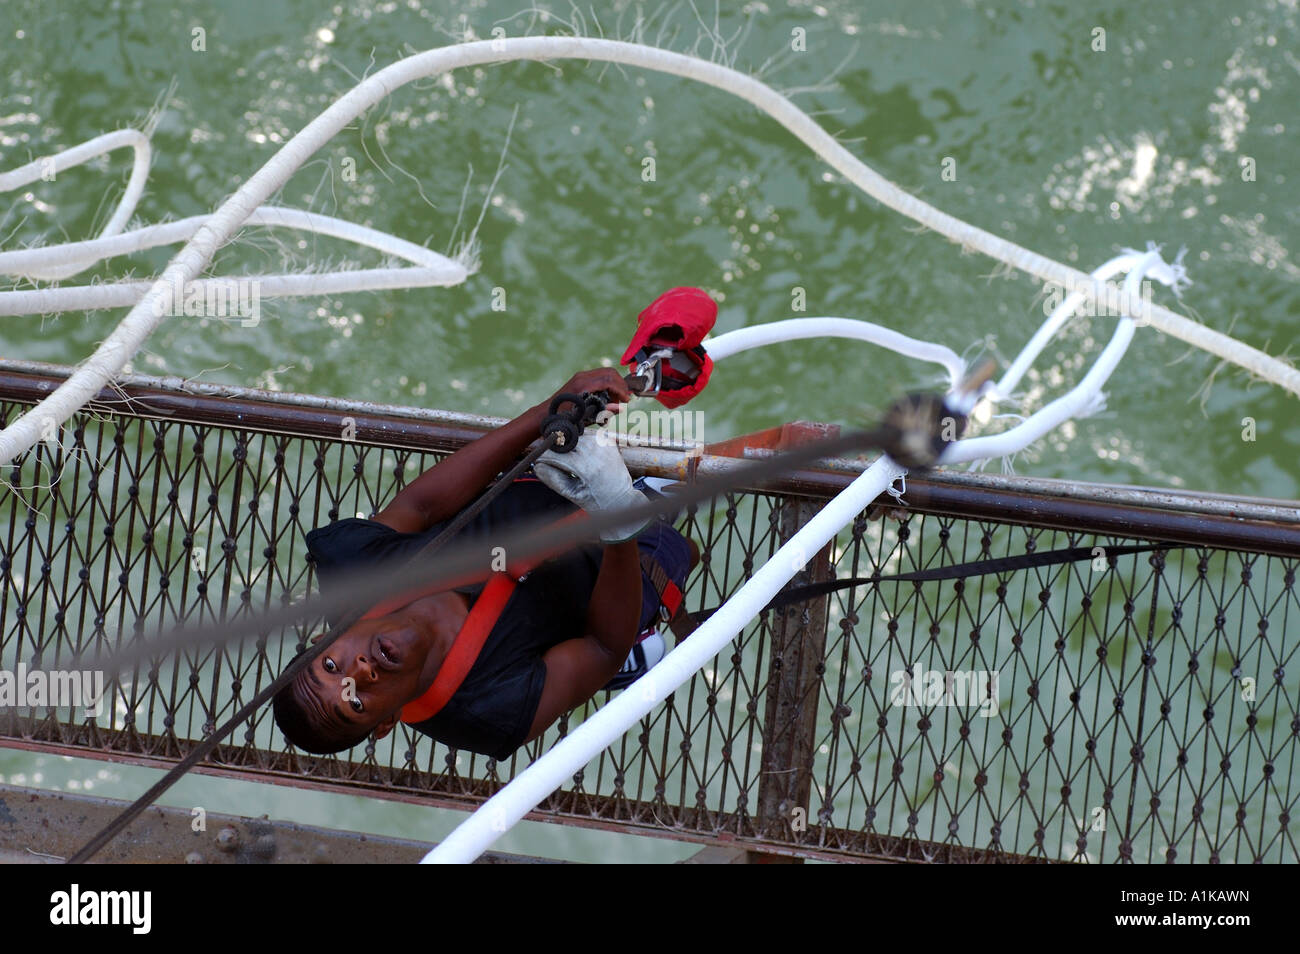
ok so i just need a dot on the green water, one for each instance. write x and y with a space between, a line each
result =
1051 141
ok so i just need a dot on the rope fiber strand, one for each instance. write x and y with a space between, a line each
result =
147 314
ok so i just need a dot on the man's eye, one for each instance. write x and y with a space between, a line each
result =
328 665
356 705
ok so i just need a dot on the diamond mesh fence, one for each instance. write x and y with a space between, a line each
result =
1122 707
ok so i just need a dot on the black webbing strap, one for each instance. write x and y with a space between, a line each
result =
1023 561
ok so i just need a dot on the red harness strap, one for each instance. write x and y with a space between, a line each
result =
483 616
474 632
464 652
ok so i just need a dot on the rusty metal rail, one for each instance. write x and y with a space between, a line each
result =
1146 705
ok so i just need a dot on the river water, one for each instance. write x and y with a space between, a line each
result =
1178 133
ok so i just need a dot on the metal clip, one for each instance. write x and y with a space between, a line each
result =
650 370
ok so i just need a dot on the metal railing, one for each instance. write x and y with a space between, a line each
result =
1123 707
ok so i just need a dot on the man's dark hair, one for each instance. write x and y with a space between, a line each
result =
293 716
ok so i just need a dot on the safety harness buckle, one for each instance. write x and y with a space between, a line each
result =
649 369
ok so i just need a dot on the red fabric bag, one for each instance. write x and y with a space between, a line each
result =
679 319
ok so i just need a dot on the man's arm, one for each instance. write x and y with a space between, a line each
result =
449 486
576 669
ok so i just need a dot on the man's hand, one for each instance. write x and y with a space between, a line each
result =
594 477
442 491
600 379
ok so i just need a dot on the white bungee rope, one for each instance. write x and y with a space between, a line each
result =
147 313
600 730
48 167
794 329
428 268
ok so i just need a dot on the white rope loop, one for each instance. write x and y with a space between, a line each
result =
131 333
50 166
431 269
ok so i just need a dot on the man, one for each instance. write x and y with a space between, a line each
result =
568 629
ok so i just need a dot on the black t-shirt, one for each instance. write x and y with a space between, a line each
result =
494 707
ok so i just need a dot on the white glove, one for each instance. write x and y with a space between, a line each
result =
594 477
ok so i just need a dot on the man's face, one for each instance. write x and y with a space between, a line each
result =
365 677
